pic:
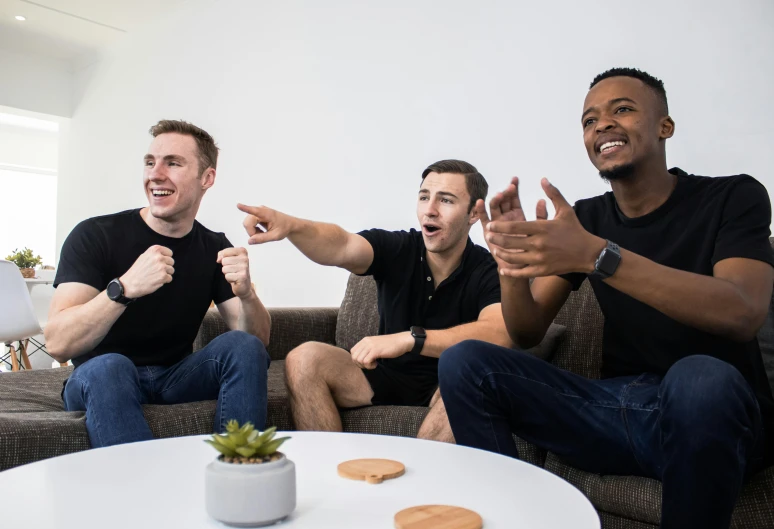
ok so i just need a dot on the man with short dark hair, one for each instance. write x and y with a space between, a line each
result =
682 268
132 290
435 288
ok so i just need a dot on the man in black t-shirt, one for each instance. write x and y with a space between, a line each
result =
682 268
132 290
435 289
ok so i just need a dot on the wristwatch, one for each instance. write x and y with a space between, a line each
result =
608 261
419 335
115 291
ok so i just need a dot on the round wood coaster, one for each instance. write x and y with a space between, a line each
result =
438 517
371 470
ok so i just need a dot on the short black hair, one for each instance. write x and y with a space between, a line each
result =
657 85
474 181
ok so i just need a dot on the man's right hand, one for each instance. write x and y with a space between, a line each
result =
505 206
150 272
276 226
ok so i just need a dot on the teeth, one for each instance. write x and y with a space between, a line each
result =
610 145
161 192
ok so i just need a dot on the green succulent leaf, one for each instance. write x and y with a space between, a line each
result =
226 451
246 451
268 435
226 441
271 447
232 426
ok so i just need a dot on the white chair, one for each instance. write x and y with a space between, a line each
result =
17 315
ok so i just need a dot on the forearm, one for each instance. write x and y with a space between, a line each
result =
707 303
254 318
520 312
438 341
78 330
323 243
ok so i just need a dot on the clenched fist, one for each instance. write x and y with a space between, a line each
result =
150 272
236 268
367 351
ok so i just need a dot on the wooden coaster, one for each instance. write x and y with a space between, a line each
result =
371 470
437 517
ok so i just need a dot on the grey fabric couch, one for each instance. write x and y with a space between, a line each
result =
33 425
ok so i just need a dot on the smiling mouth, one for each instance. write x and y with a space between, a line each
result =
158 193
610 146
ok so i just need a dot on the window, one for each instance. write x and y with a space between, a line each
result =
28 180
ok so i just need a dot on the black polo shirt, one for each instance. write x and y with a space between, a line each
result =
407 296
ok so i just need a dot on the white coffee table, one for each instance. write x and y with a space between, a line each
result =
160 484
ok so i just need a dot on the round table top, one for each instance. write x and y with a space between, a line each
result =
160 484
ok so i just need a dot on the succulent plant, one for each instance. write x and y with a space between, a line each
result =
245 444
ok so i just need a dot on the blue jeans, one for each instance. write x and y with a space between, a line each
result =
111 389
698 429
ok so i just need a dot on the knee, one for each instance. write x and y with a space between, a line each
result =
702 391
106 378
111 367
304 361
246 350
463 360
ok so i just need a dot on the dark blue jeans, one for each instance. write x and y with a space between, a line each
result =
111 389
698 429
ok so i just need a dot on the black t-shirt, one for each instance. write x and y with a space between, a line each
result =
704 221
157 329
407 295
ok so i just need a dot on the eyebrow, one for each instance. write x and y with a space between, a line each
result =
442 193
168 158
611 102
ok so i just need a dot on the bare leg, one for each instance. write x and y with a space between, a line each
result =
321 377
436 427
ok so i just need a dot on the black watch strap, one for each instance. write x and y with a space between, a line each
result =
419 335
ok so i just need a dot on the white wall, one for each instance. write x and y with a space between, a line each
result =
331 110
35 83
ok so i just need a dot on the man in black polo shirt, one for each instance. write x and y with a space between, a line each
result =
435 288
682 268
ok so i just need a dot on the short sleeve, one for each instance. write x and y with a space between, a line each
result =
489 289
83 258
575 279
388 246
745 224
221 289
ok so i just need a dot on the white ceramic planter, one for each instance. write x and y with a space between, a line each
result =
250 495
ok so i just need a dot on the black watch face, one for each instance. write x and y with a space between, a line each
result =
114 290
418 332
608 262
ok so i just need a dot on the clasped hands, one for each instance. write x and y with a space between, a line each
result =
526 249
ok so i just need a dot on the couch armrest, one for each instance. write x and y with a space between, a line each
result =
290 327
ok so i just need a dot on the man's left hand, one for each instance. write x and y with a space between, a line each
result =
369 349
236 268
545 247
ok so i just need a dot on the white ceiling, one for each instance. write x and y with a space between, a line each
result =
72 29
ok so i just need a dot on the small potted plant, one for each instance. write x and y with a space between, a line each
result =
250 484
26 261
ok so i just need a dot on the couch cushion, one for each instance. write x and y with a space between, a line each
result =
581 348
358 313
640 498
33 391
